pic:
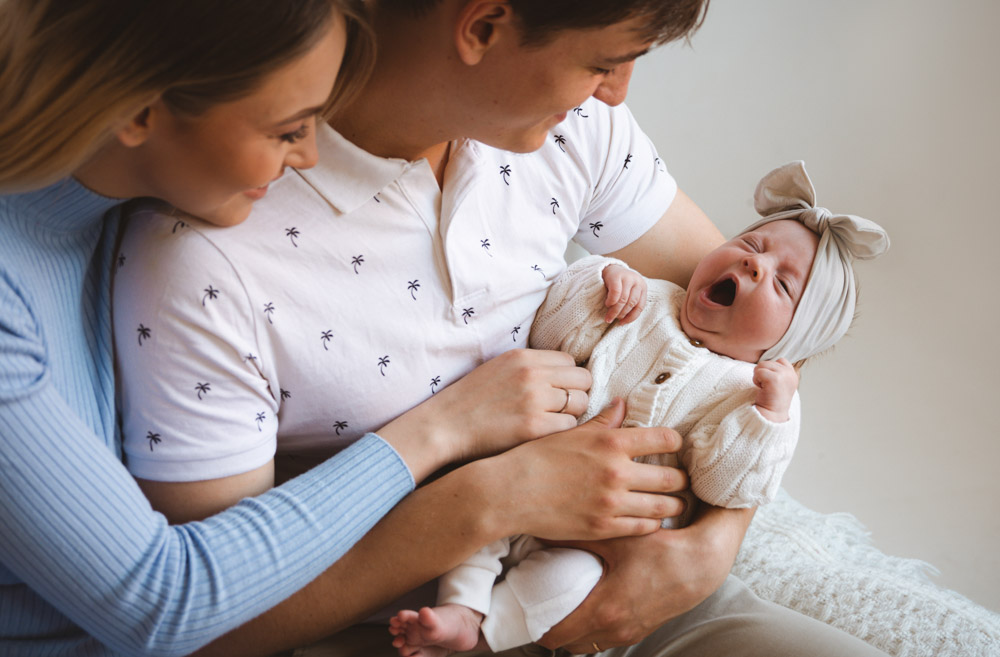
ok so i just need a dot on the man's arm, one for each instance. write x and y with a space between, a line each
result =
675 244
649 580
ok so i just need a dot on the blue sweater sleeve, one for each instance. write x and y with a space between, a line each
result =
78 531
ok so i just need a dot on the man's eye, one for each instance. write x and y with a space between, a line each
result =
602 71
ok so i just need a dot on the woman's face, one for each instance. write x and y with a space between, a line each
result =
217 164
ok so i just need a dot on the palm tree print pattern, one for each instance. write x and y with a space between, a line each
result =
659 164
628 159
596 228
210 293
260 420
560 141
486 246
292 233
326 336
413 286
467 313
383 362
555 204
178 224
268 311
514 332
285 394
435 382
538 269
202 388
121 260
505 174
153 438
339 426
357 261
144 333
579 112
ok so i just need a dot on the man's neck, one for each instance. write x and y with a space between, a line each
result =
405 110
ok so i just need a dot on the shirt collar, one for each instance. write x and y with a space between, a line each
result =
348 176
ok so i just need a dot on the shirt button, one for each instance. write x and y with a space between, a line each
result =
663 376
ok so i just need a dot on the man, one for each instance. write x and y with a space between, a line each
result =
459 84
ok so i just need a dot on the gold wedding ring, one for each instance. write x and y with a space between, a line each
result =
565 405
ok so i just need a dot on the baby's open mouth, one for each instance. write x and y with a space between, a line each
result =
723 292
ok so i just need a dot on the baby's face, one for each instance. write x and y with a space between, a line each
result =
743 295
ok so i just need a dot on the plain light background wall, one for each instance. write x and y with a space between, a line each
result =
894 106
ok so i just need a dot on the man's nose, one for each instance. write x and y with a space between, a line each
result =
614 87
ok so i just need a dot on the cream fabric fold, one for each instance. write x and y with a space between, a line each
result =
826 307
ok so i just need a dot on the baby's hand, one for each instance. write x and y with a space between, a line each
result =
626 293
776 381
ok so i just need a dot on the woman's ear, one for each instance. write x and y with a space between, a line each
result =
478 27
135 131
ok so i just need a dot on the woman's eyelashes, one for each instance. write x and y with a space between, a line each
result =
297 135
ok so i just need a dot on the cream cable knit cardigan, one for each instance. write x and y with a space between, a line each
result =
734 456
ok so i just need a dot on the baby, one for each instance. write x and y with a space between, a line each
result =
714 362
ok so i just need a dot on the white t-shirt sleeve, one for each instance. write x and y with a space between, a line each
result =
632 188
195 399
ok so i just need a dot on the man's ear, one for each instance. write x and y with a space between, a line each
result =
478 27
137 129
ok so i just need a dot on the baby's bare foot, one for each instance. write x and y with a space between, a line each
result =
435 632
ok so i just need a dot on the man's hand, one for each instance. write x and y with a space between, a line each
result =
651 579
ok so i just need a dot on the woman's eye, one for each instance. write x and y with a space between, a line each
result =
292 137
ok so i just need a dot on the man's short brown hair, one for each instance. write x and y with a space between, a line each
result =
663 20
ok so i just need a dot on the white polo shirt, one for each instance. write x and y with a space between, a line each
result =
357 289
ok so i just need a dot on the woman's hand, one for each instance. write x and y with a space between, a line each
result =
582 483
518 396
649 580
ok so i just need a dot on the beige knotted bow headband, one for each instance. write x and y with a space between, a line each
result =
826 307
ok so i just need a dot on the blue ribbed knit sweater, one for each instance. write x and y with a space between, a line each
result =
86 566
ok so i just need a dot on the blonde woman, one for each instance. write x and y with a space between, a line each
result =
200 103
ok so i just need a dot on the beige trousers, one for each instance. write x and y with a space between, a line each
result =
733 622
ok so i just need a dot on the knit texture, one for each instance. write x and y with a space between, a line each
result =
825 566
734 455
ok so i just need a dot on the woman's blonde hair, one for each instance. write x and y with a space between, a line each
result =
71 72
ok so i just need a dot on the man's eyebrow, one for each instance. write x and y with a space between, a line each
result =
623 59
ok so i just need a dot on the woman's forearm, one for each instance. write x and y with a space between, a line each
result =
427 534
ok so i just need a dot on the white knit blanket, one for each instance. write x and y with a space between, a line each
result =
825 566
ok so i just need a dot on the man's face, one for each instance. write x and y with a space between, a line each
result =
518 93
